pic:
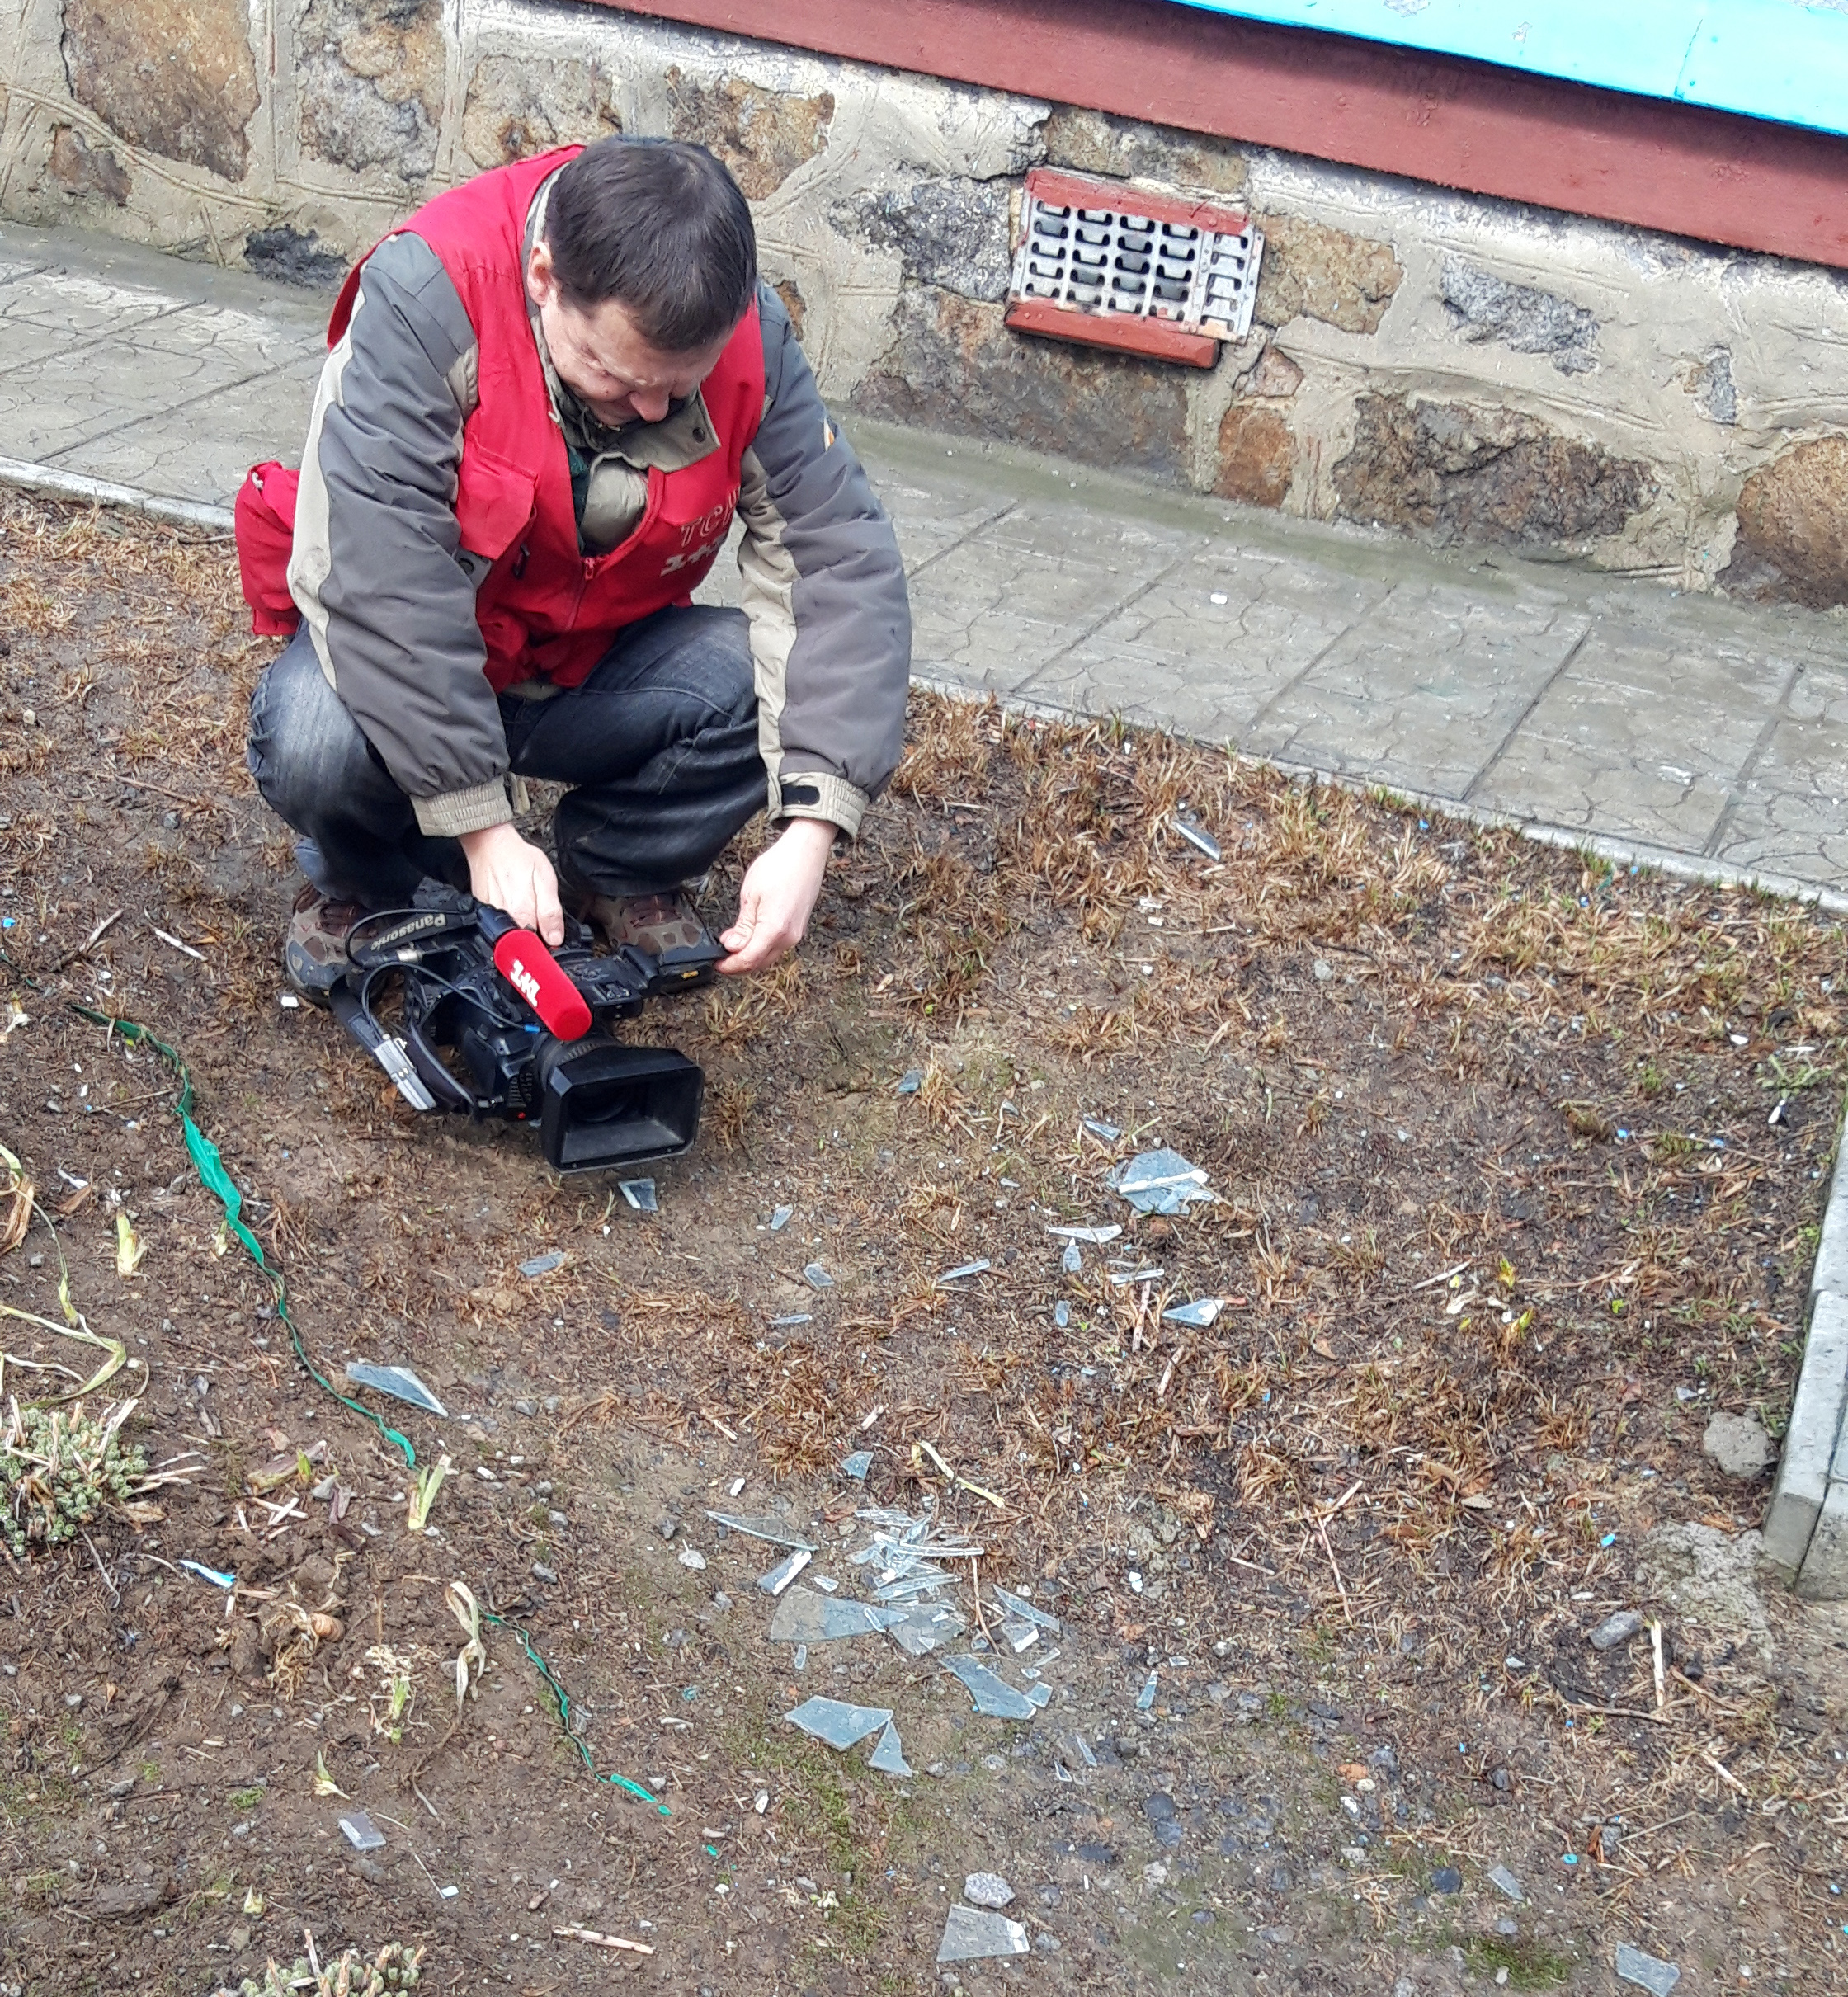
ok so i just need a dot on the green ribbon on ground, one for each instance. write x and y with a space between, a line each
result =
213 1175
564 1698
216 1180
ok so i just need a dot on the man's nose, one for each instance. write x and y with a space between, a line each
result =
651 404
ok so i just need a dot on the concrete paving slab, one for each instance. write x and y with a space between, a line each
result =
1645 732
1206 646
263 416
1005 602
72 310
1791 815
1422 693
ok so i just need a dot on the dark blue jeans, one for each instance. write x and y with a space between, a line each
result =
660 742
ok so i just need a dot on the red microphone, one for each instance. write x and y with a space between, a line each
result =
524 961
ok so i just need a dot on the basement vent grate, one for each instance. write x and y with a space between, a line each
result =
1164 276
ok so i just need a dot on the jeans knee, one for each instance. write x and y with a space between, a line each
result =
305 750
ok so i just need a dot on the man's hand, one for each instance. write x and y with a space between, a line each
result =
778 896
508 873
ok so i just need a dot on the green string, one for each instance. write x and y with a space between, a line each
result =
564 1698
210 1168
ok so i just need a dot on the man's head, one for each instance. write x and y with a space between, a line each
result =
646 263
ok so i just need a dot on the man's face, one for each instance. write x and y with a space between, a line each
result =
602 358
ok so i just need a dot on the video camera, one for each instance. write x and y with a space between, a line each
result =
494 1023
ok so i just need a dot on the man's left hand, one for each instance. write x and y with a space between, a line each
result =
779 895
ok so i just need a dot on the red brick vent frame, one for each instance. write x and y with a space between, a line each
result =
1105 264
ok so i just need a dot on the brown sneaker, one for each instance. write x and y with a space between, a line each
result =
314 956
662 925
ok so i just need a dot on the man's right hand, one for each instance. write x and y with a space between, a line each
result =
510 873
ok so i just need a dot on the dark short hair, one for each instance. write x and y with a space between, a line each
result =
660 226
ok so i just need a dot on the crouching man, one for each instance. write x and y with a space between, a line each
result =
546 396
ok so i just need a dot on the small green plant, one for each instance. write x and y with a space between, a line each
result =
246 1799
423 1493
61 1469
395 1967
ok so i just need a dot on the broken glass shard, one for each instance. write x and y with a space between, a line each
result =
1196 835
1018 1636
785 1571
911 1081
1040 1695
799 1662
1085 1755
968 1269
911 1585
817 1277
1018 1605
1146 1698
1200 1313
795 1317
1096 1237
836 1723
1062 1313
399 1382
804 1617
1072 1260
889 1757
362 1833
993 1696
639 1193
1650 1972
970 1934
1159 1182
542 1266
927 1626
782 1218
1136 1275
777 1531
857 1465
1099 1128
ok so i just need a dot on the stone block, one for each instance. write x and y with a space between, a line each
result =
1454 474
370 74
762 135
1809 1442
1481 306
953 365
1125 149
174 77
952 233
1312 271
1256 455
1831 1272
81 168
517 107
1791 546
1711 384
290 256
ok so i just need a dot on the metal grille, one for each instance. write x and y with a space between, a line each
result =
1130 265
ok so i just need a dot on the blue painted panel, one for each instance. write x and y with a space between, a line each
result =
1782 59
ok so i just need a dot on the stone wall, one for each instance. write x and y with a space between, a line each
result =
1425 362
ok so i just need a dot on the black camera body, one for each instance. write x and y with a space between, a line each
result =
472 1036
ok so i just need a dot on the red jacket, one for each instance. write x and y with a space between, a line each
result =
545 610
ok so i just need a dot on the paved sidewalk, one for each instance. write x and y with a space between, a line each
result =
1679 728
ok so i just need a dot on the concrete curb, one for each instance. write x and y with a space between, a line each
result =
55 484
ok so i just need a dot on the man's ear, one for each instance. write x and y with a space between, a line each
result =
542 283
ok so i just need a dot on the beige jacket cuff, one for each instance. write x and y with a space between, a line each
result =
818 793
454 813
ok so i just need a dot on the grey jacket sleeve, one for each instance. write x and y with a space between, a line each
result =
824 588
377 569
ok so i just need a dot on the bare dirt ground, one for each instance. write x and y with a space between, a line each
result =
1499 1205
